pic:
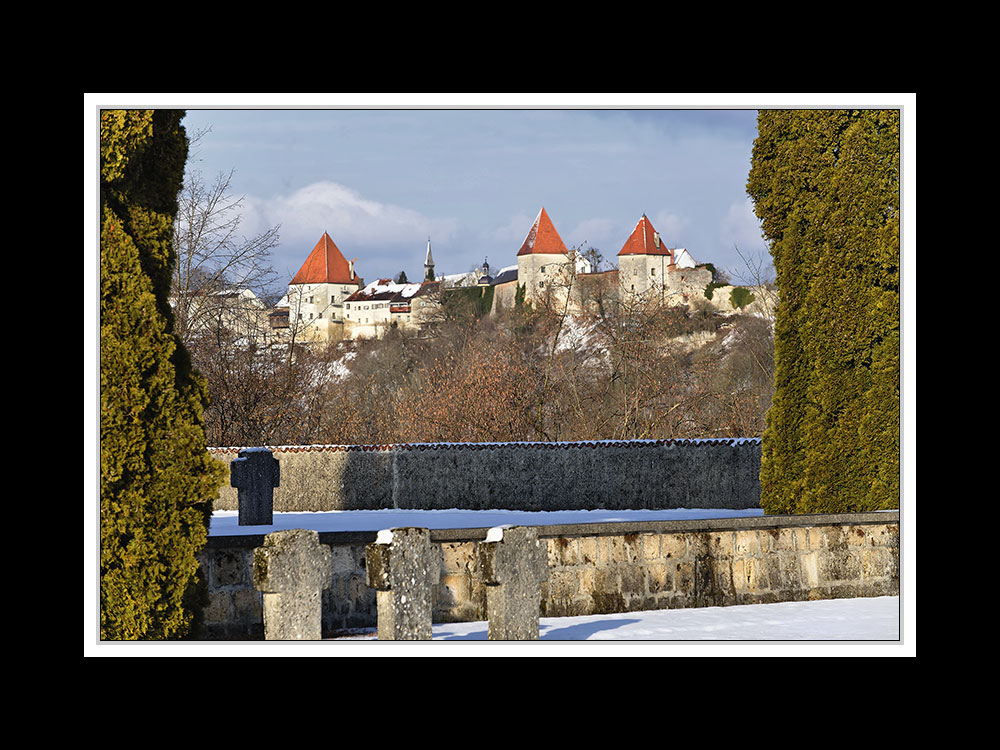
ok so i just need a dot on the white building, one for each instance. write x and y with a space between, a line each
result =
316 294
370 312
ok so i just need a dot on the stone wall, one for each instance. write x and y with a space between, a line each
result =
763 304
614 475
599 569
504 296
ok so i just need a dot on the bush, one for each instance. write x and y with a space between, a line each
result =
740 297
710 289
157 478
825 184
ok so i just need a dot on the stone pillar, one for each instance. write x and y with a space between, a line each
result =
292 569
513 563
255 474
402 566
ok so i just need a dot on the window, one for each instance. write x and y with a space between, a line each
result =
635 271
541 284
543 269
652 272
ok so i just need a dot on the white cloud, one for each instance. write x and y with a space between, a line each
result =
349 218
671 227
741 228
595 233
514 231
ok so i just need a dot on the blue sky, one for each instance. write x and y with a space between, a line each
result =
381 181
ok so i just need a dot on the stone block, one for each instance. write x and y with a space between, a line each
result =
218 608
673 545
513 563
291 570
403 567
747 544
563 551
457 557
809 566
588 550
255 474
228 568
651 547
659 578
684 578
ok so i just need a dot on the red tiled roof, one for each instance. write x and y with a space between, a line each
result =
543 238
325 265
642 242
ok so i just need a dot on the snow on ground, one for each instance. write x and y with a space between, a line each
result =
871 620
226 522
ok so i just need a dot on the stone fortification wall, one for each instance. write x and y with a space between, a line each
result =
596 569
763 304
634 474
504 296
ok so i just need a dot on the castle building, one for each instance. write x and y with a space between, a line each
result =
544 266
370 312
648 269
316 294
328 301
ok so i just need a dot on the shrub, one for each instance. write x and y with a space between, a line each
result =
710 289
157 478
825 184
740 297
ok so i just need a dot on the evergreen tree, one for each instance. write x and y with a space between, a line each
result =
519 293
825 184
157 478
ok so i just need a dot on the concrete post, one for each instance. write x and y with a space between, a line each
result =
402 566
292 569
255 474
513 563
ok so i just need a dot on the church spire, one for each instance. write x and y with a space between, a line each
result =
428 263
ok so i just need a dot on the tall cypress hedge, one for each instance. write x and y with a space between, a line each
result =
157 478
826 186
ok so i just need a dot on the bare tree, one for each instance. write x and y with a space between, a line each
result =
758 274
213 257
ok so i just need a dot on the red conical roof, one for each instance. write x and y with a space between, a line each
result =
325 265
543 238
643 242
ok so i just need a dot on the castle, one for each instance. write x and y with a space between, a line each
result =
552 275
328 301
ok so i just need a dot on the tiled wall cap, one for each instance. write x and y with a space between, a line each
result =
494 446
